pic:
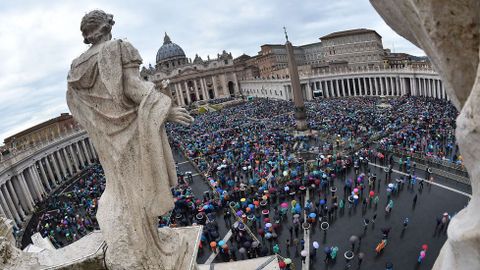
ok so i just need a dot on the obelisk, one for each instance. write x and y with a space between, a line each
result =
300 114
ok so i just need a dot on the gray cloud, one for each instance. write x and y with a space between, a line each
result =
39 40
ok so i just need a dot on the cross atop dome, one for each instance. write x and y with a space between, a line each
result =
166 39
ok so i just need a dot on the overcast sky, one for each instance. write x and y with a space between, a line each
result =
39 39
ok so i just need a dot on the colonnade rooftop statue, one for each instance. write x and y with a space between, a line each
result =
124 117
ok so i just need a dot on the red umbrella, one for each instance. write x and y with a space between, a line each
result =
282 264
424 247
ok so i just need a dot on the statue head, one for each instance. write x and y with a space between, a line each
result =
96 26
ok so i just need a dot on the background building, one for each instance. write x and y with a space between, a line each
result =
357 48
197 80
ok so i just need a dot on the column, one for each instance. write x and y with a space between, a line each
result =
44 175
181 100
177 95
5 208
18 187
337 89
50 171
429 87
343 87
56 169
382 89
392 85
236 89
203 86
348 88
34 184
440 94
26 192
87 154
415 89
214 82
38 181
188 92
377 89
354 87
80 153
75 158
67 159
224 84
10 203
196 89
62 166
14 196
365 85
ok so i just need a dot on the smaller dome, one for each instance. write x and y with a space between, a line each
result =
169 50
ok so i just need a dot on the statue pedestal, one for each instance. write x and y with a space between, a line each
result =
88 253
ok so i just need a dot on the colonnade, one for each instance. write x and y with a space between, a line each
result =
202 88
31 184
394 82
379 86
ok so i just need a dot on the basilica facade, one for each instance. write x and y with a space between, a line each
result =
197 80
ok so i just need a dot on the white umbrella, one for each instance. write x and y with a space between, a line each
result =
316 245
303 253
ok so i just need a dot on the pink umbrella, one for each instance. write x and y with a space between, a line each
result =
284 205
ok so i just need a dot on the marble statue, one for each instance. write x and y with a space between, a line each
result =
124 117
449 33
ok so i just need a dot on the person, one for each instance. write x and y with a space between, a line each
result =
405 223
374 218
125 119
276 249
361 255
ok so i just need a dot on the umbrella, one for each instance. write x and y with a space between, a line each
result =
390 185
353 239
284 205
268 225
304 253
221 243
327 250
242 250
322 202
296 216
255 244
288 261
424 247
282 264
247 244
312 215
268 235
240 213
316 245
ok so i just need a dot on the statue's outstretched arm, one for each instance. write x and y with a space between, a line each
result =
137 89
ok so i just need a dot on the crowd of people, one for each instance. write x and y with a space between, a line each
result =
248 154
264 189
70 214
